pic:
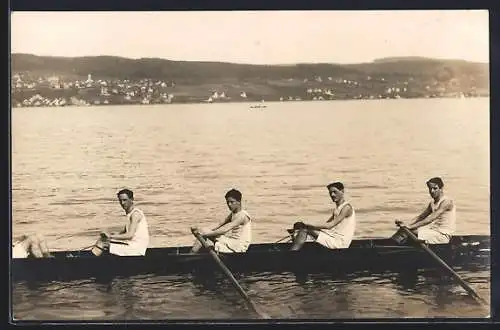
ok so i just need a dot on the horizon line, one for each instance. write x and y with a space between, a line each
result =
258 64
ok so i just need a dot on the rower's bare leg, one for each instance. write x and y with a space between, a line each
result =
43 246
301 237
34 246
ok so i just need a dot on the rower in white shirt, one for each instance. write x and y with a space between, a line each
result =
436 223
134 239
338 231
234 234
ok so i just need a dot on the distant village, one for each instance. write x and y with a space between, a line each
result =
56 91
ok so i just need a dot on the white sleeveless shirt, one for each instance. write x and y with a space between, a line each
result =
446 222
345 229
241 233
141 236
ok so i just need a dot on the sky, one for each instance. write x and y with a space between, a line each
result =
256 37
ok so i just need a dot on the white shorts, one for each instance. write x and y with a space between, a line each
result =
432 236
224 244
18 251
331 242
126 249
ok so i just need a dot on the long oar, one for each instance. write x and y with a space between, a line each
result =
450 270
230 276
289 237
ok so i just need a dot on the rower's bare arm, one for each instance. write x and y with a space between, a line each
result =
226 220
344 213
332 217
446 205
318 227
124 230
424 214
227 227
134 221
208 232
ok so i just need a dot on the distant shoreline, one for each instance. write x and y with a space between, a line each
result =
105 80
251 104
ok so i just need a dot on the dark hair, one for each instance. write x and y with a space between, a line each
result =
128 192
436 180
338 185
236 194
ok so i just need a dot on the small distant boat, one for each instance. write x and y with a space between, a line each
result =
258 106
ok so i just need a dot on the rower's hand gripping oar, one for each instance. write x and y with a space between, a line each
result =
229 275
457 277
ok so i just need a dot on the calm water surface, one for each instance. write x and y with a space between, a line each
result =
68 163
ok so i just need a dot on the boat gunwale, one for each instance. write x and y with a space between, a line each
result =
373 244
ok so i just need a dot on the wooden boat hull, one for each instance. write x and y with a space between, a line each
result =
378 255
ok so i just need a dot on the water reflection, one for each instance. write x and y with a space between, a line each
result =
284 296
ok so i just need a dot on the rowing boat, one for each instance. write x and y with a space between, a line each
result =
469 252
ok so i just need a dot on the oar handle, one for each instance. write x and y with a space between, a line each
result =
198 236
457 277
228 273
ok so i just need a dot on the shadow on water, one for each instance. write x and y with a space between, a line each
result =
409 293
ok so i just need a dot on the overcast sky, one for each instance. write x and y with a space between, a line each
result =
272 37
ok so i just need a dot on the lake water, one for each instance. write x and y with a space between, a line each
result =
68 163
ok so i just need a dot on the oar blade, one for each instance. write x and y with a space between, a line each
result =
230 276
441 262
